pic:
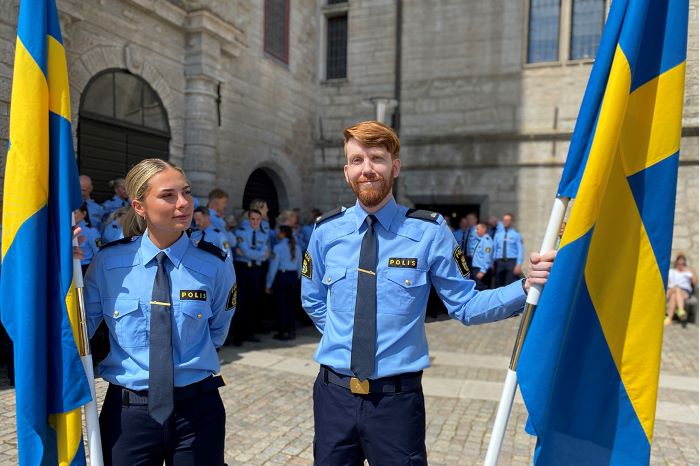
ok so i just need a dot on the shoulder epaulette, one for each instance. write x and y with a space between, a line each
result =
420 214
126 240
210 248
330 214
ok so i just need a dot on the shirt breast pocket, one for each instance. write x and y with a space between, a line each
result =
127 321
340 288
193 323
404 288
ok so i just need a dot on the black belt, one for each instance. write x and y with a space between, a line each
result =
393 384
508 259
140 397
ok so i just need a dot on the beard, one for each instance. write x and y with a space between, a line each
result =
370 196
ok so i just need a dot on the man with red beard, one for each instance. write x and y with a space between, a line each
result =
367 274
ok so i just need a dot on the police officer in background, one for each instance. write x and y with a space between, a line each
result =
168 305
466 236
94 216
308 227
205 231
482 265
365 282
119 200
218 200
282 278
508 253
251 251
92 242
113 227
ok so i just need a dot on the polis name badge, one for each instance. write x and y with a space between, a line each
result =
193 295
403 262
232 297
461 262
307 266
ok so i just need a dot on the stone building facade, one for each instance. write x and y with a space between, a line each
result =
481 128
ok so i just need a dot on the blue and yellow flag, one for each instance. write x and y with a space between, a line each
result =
41 190
589 367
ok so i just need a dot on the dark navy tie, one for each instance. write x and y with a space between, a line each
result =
364 333
160 358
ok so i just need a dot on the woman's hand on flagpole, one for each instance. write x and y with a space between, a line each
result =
77 252
538 271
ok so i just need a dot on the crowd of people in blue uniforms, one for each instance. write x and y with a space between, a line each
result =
494 249
263 259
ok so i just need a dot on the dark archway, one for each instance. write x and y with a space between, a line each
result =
260 185
121 122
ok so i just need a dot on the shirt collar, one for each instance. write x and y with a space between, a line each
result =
175 252
385 215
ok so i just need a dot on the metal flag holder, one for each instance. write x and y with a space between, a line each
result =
533 297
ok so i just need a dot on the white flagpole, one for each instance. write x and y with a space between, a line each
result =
94 440
533 297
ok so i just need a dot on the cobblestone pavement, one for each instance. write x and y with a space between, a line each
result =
269 415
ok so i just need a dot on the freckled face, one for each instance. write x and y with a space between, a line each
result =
167 205
370 172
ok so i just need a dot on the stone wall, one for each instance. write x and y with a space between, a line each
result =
478 126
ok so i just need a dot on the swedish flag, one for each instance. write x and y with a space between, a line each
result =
41 190
589 367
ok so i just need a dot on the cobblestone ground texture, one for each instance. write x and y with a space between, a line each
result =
269 413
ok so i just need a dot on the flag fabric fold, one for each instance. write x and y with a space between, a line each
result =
41 189
589 366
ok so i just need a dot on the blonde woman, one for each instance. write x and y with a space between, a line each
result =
167 305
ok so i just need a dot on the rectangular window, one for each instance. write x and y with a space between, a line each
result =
277 29
543 31
337 47
587 19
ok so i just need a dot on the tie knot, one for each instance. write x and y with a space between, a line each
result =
371 220
160 257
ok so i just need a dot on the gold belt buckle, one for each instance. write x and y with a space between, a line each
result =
359 387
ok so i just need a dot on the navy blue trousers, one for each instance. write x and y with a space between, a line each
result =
287 296
385 428
250 283
504 272
193 435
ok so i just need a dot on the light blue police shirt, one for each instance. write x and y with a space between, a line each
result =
216 221
281 260
118 288
92 243
483 254
471 238
412 254
212 235
252 253
110 205
112 232
514 244
305 236
94 213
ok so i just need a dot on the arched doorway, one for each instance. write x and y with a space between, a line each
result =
261 186
121 122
